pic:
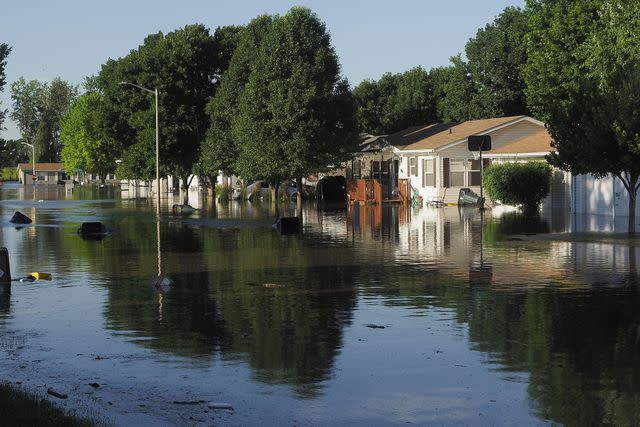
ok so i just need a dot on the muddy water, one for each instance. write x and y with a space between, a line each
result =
378 317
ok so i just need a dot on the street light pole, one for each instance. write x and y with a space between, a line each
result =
33 172
155 92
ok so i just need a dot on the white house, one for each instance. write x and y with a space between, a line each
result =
438 163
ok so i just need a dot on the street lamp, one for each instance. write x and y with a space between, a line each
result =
33 173
155 92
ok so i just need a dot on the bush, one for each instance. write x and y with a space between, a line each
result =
518 184
9 174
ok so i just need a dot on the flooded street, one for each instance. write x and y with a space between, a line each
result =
378 316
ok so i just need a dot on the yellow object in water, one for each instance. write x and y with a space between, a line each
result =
41 276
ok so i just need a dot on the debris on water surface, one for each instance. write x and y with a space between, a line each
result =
94 385
220 405
57 394
187 402
372 326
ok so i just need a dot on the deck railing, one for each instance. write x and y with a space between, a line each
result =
368 191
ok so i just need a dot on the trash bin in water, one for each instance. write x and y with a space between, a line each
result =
468 197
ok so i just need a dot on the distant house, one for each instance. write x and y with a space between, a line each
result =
47 173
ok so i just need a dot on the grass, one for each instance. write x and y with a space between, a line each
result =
18 408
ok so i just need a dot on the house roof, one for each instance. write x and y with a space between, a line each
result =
373 143
42 167
431 137
538 142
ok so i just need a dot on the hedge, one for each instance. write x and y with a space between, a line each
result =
518 184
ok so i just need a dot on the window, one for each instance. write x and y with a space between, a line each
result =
456 173
375 170
474 172
356 169
413 166
428 171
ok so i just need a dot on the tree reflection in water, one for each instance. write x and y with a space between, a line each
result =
564 312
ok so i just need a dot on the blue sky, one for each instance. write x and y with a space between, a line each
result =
72 38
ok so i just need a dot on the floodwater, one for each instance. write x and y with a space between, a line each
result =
383 316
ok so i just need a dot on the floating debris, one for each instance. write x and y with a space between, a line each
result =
220 405
57 394
372 326
20 218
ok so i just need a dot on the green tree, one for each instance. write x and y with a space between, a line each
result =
87 145
5 50
12 152
182 66
495 59
395 102
38 109
296 114
457 97
219 149
582 80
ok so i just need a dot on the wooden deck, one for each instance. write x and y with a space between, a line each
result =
370 192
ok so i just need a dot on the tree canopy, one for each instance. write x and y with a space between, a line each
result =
5 49
182 66
582 80
296 113
219 149
38 109
395 102
495 59
86 143
488 84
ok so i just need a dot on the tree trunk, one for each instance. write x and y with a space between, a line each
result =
185 189
211 188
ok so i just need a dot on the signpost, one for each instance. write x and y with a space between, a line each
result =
480 143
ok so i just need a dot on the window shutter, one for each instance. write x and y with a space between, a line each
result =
424 169
486 163
445 173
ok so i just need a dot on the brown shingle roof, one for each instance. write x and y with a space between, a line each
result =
43 167
538 142
429 137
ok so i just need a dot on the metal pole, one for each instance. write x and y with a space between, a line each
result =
33 147
481 177
157 153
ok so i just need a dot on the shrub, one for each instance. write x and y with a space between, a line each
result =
9 174
223 192
518 184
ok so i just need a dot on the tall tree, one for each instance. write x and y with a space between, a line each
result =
37 109
87 144
219 150
456 94
495 59
582 79
5 49
395 102
182 66
296 115
412 103
27 105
